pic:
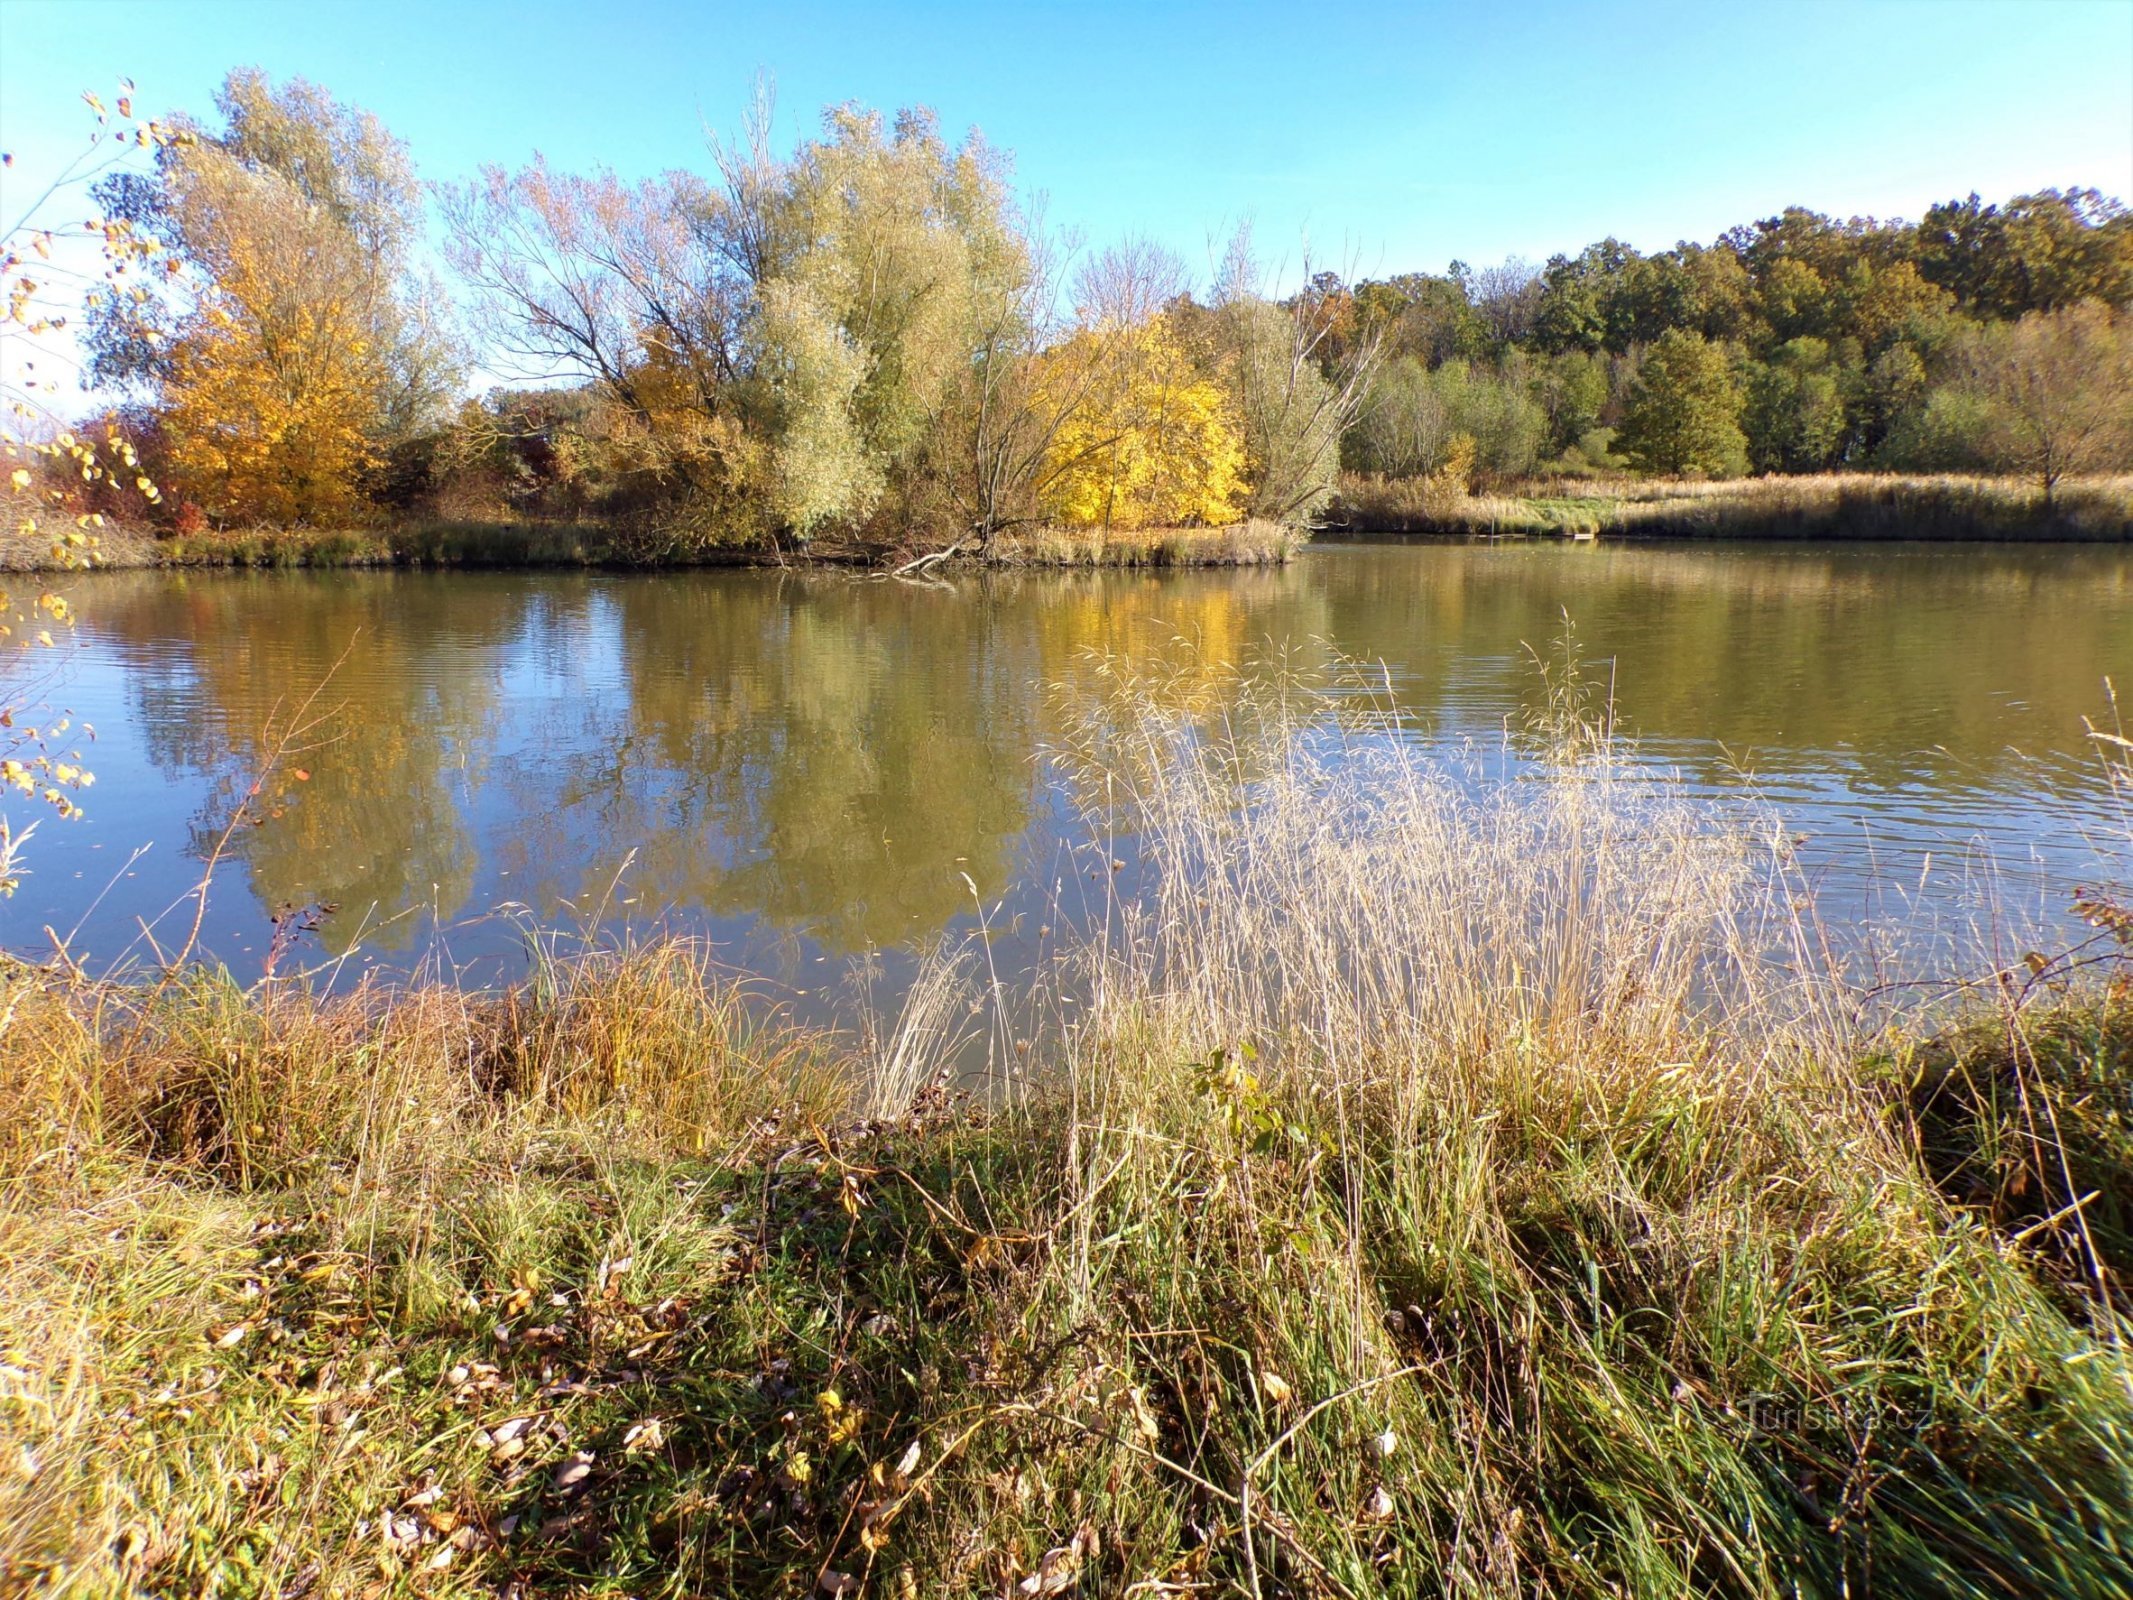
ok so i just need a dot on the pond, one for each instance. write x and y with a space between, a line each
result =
811 767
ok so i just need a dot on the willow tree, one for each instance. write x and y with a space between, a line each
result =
1297 380
912 250
830 307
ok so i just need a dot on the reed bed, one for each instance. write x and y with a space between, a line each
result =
449 544
1458 1181
1253 543
1855 505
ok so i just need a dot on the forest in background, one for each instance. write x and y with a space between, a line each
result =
870 341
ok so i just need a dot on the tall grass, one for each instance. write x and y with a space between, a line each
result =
1856 505
1456 1182
439 543
1253 543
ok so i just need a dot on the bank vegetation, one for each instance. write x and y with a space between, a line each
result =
1450 1182
869 345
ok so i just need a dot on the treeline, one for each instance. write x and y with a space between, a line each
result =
1981 337
864 339
868 340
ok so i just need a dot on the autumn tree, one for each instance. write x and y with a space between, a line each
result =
831 306
296 343
1150 442
1684 410
2038 252
2053 392
1019 402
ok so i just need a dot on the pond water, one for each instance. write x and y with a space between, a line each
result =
808 767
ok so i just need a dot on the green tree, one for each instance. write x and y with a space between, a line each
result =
1684 410
1402 427
1795 415
2039 252
1894 389
1572 390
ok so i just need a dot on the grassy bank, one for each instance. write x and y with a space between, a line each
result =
1837 506
539 544
1442 1191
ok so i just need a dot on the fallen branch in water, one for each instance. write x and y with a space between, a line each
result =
931 558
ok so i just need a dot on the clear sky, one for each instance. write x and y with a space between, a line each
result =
1391 137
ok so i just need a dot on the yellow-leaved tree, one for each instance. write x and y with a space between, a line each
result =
1146 441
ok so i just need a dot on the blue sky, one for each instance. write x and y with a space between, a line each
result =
1392 137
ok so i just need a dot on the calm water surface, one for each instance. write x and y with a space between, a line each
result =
813 767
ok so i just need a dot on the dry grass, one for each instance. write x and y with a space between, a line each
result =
1831 506
432 543
1443 1191
1253 543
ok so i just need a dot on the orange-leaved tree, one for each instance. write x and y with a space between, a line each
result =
296 345
274 383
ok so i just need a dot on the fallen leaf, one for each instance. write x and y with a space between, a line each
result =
1055 1573
573 1472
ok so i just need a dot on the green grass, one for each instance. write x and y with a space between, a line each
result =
1442 1193
2032 1125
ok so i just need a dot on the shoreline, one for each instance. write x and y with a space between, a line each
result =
1845 506
535 546
1286 1250
1858 507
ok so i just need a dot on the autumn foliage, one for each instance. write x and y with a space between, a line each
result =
1149 443
290 347
271 398
866 342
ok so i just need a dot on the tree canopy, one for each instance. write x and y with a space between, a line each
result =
870 337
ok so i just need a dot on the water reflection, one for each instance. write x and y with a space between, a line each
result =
818 761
